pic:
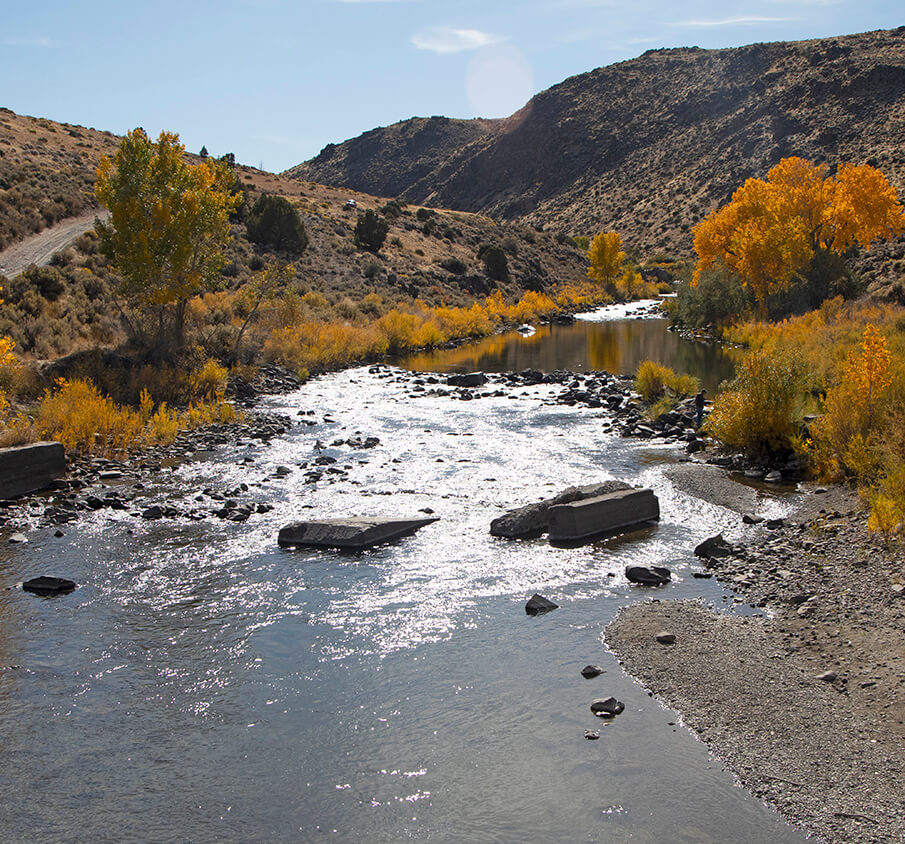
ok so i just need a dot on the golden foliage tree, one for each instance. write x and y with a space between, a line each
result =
606 259
771 230
168 222
844 436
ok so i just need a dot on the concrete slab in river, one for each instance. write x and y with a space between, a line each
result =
349 533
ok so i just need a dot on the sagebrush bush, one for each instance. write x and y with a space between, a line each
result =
653 381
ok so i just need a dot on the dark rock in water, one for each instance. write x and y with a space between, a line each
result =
533 519
648 576
715 546
592 735
45 585
471 379
538 605
607 707
590 671
349 533
18 538
601 514
702 575
773 524
751 519
155 511
694 446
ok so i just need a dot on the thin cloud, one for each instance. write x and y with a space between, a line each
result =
741 20
446 39
27 42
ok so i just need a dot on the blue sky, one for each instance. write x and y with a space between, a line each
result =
275 80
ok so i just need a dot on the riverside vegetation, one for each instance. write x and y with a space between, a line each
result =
177 288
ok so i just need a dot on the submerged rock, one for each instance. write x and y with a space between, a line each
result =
648 575
46 585
538 605
607 707
590 671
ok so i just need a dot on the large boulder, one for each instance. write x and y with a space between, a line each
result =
353 533
533 519
603 514
470 379
648 575
538 605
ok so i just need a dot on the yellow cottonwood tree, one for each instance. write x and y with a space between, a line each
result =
606 259
771 230
168 222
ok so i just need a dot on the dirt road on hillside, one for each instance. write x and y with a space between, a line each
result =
39 248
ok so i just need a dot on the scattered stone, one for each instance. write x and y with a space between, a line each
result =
827 676
751 519
538 605
607 707
45 585
58 534
715 546
590 671
664 637
774 477
648 575
592 735
155 511
18 538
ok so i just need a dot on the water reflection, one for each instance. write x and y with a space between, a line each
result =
615 346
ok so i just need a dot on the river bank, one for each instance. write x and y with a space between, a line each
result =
806 704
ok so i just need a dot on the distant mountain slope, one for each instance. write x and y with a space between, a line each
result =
392 158
648 146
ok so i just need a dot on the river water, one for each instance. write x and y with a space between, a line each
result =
204 685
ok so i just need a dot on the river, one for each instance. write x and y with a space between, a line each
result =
204 685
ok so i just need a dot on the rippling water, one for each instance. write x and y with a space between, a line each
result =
204 685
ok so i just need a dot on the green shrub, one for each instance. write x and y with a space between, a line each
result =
495 264
371 231
717 299
653 381
454 266
759 410
273 221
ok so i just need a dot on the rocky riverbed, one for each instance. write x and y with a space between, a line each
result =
805 703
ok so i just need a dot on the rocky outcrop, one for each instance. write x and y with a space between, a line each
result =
646 146
533 519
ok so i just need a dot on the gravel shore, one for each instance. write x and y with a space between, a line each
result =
806 703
